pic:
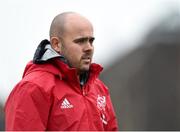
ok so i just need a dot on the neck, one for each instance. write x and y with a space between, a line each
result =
83 77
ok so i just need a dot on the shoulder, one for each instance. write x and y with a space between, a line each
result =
28 90
33 87
42 75
40 80
101 86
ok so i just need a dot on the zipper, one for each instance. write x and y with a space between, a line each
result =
83 90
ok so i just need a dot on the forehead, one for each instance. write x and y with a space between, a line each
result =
77 25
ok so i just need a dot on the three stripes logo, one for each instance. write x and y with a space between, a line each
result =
65 104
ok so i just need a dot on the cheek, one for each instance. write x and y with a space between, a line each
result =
74 54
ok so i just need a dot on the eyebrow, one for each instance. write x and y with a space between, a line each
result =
83 39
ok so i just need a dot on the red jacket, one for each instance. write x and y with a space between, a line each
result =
49 97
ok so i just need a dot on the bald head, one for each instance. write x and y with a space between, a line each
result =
64 20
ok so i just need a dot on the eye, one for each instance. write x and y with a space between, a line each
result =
91 40
84 40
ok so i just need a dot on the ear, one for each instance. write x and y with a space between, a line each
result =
56 44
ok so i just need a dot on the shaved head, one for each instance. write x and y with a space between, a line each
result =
58 27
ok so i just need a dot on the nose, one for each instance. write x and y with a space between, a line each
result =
88 47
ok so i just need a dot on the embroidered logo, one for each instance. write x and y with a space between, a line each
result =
65 104
101 102
103 119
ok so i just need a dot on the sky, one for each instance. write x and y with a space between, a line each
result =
119 26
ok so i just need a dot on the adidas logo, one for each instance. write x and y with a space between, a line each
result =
65 104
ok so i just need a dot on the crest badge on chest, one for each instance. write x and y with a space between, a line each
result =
101 102
101 105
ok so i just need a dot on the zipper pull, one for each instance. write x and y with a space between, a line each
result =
83 92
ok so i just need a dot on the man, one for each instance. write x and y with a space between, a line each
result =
60 89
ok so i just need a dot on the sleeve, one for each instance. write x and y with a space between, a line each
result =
112 121
27 108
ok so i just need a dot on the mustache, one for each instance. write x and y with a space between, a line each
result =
87 56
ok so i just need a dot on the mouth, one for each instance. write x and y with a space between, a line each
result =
86 59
